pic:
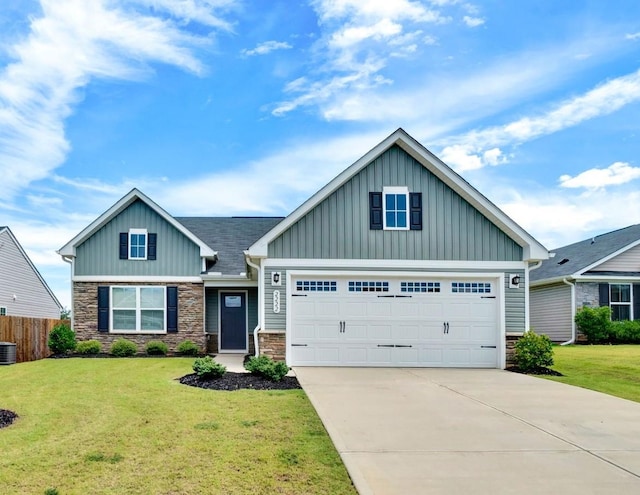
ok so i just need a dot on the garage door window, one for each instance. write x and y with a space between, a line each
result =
368 286
470 287
316 286
419 286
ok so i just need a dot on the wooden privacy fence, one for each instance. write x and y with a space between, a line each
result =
29 334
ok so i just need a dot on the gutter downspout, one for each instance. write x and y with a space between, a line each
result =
69 260
573 313
529 269
260 300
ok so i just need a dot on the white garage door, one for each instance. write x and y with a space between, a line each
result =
391 321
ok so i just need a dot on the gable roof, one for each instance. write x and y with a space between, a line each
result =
69 249
230 236
33 267
532 249
575 259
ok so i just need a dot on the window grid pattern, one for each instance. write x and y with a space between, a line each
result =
316 286
3 311
138 308
470 287
368 286
138 246
432 287
620 301
396 210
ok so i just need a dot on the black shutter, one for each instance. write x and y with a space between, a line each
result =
375 210
603 290
151 253
124 246
415 211
103 308
172 309
636 301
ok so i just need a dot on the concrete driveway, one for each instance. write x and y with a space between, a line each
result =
452 431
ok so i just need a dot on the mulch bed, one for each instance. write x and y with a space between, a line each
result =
238 381
537 371
7 417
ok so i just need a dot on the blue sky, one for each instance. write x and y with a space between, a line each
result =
223 107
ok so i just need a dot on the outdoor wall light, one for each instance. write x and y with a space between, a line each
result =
514 281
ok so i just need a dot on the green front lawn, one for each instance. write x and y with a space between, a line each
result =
612 369
124 426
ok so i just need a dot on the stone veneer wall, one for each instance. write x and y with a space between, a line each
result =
190 317
272 344
510 341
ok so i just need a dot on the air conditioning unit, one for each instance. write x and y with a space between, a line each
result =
7 353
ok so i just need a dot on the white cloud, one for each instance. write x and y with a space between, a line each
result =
473 21
70 43
267 47
597 178
358 38
602 100
633 36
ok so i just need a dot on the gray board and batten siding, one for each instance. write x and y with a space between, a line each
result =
514 298
19 278
551 311
338 228
176 254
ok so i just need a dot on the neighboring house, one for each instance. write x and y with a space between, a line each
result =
23 291
398 261
599 271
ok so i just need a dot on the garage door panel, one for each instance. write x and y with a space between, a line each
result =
393 327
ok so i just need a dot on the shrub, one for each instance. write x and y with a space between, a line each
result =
266 367
123 348
625 332
533 351
156 348
594 323
206 367
88 347
188 348
62 339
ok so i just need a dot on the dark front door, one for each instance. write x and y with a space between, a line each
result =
233 321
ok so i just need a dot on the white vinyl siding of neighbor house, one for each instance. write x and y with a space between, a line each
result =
551 311
629 261
18 278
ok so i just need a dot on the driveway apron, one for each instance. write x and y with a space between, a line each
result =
453 431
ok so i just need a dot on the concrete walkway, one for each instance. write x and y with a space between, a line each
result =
432 431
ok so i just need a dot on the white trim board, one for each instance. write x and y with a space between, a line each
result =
136 278
394 264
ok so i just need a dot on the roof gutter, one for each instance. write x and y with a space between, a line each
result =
573 313
260 298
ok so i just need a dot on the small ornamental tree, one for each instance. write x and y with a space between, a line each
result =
62 339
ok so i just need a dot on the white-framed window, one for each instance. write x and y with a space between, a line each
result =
3 311
620 301
138 309
137 244
395 202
